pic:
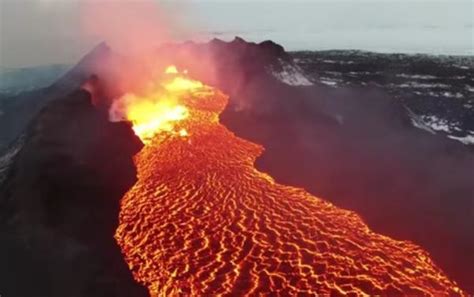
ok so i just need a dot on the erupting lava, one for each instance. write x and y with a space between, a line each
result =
159 110
201 220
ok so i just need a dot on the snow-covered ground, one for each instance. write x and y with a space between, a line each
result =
438 91
290 74
7 158
469 139
434 124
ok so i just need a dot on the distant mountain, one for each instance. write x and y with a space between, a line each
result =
16 80
18 109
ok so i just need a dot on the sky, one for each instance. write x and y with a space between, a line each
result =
40 32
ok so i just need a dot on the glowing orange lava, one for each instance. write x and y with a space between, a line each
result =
159 111
171 70
201 220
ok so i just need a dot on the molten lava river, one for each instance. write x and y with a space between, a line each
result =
201 220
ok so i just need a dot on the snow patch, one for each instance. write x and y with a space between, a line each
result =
291 75
433 94
360 72
456 95
433 124
442 125
341 62
328 82
452 95
7 159
436 123
468 139
416 76
417 123
420 85
335 73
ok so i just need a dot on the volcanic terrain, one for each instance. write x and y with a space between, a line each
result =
256 177
201 220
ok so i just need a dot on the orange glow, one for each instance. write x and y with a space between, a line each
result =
182 84
203 221
150 118
183 133
171 70
160 110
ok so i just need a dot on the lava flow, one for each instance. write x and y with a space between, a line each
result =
201 220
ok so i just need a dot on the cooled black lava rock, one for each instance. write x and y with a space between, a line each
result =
59 205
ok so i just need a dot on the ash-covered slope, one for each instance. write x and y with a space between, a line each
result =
59 204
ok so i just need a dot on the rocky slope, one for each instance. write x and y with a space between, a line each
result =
59 204
16 111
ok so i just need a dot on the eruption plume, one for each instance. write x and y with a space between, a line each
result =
130 26
158 110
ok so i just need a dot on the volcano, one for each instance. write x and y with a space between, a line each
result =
253 179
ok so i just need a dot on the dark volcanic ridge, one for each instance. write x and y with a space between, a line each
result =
59 204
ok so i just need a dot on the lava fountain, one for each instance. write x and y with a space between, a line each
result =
201 220
155 113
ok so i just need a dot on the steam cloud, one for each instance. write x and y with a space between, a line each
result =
132 26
